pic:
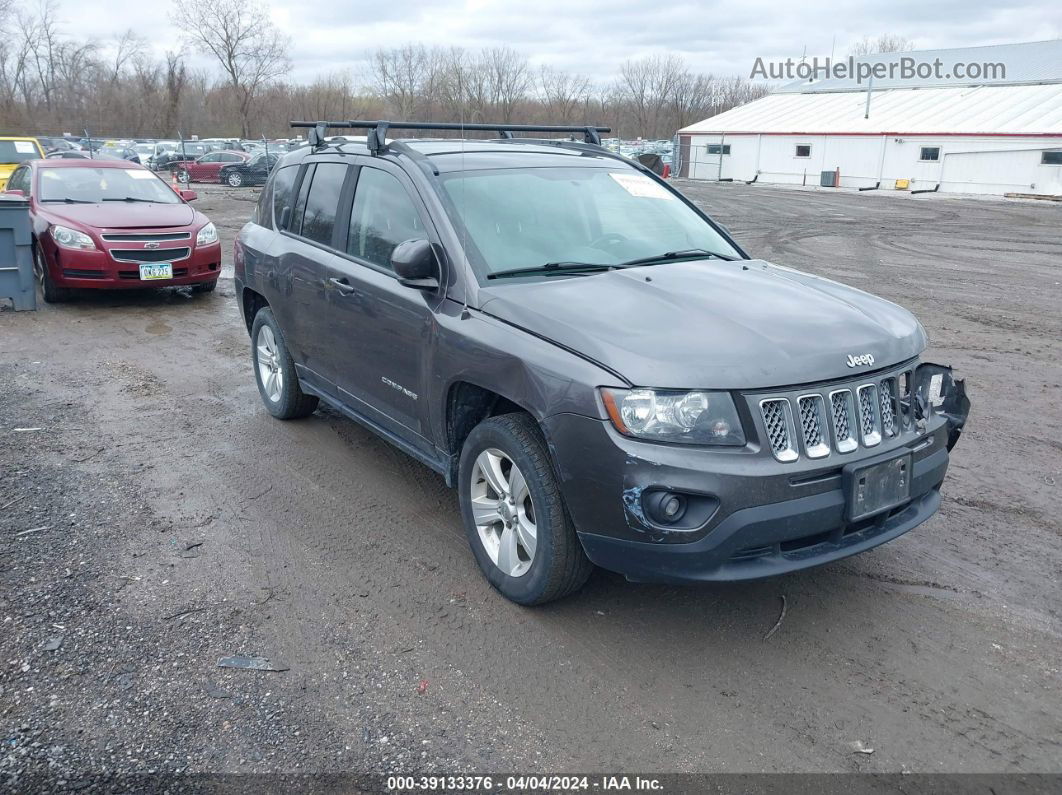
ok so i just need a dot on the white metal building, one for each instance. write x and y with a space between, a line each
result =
992 136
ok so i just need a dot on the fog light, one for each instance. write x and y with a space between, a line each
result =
665 507
672 505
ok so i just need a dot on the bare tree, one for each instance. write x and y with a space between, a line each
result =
508 79
399 75
648 85
52 81
563 93
252 52
175 82
886 42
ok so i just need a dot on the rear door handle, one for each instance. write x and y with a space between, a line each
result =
342 285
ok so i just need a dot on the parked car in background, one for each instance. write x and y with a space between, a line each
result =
15 150
57 145
121 152
254 171
182 152
113 224
149 151
68 154
208 167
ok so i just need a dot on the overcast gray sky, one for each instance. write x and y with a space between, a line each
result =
595 36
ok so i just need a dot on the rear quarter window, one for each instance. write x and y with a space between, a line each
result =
283 188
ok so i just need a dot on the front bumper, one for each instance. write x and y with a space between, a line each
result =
98 270
764 518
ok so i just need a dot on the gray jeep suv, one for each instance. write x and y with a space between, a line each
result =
600 370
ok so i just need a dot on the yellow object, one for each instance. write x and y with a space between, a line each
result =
15 150
903 184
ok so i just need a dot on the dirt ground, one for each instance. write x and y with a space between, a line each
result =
154 518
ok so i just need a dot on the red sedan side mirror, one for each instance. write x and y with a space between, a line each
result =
188 195
14 192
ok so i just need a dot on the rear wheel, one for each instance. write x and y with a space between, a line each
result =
514 515
51 293
274 371
234 178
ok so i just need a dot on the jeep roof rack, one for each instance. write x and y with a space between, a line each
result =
377 136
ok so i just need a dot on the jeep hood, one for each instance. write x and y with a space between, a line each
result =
711 324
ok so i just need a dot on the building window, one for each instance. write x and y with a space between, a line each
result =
803 150
714 149
930 153
1051 159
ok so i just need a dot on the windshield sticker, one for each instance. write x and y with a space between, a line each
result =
640 185
139 174
25 148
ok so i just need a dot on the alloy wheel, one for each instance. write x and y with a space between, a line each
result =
503 512
269 370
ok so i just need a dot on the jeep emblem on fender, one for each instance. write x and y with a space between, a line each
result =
856 361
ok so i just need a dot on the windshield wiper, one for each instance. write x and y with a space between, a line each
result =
554 267
130 199
70 201
689 253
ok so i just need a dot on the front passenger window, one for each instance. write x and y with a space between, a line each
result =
383 216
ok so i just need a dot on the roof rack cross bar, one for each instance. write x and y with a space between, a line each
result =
376 137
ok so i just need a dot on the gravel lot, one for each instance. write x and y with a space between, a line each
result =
156 519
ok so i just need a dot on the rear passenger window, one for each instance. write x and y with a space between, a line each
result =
283 184
383 216
319 217
295 224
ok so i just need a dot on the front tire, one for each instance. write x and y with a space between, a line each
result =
49 291
274 371
514 515
235 179
183 176
205 287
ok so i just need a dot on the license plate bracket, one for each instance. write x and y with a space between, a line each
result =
155 270
872 487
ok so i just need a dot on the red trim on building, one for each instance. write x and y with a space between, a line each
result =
879 134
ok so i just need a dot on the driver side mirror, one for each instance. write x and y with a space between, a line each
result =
415 264
188 195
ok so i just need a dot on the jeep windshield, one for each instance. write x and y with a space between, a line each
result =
523 220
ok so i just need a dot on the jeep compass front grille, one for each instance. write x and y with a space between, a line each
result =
778 420
813 424
888 407
822 421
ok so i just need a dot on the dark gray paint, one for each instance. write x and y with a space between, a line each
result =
548 346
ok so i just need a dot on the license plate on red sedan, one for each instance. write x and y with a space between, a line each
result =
158 270
878 486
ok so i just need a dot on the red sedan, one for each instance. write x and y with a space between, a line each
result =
208 167
113 224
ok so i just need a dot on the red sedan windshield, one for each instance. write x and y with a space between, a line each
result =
94 185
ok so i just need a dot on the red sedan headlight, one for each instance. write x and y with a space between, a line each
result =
65 237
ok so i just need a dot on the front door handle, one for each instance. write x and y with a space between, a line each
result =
342 285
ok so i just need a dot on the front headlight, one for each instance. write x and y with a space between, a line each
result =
71 238
207 235
696 417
